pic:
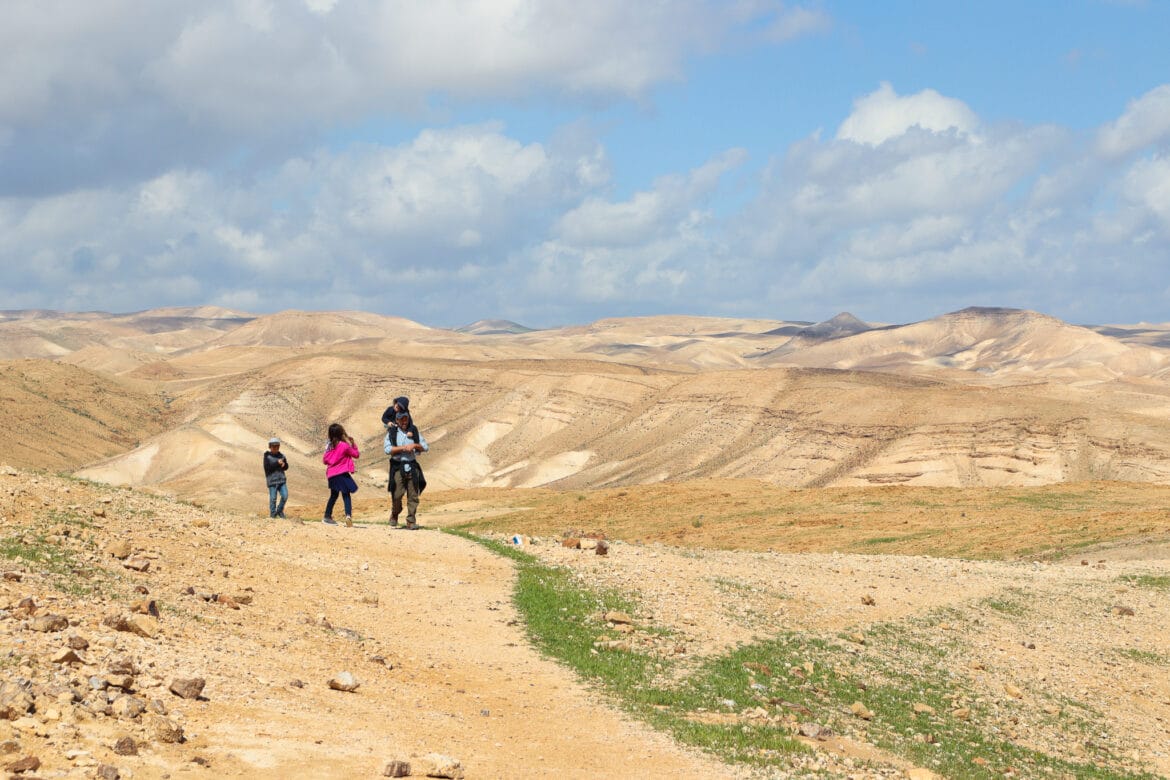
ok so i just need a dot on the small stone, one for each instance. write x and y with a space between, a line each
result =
16 700
1118 609
868 600
602 547
13 576
861 711
9 746
119 549
126 746
226 600
136 563
815 731
1013 691
962 713
396 769
107 772
344 682
296 683
145 607
67 656
439 765
76 642
162 729
143 625
613 616
27 764
921 708
49 623
187 687
127 707
573 543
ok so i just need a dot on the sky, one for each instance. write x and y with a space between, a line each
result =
555 162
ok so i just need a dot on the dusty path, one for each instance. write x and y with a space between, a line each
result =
459 677
423 620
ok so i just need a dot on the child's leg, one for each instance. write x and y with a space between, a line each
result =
332 501
348 503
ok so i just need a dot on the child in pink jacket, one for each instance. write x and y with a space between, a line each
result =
338 460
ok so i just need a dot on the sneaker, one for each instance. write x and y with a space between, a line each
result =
328 521
281 516
412 526
348 521
393 522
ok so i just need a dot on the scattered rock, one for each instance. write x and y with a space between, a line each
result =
145 607
119 549
1118 609
396 769
76 642
127 707
16 700
861 711
614 616
107 772
922 708
143 625
573 543
815 731
27 764
50 623
1013 691
187 687
961 713
136 563
163 729
67 656
344 682
13 576
439 765
868 600
126 746
602 547
226 600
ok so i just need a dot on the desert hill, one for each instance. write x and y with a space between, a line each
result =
59 417
977 397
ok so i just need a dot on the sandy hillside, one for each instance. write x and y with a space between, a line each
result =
981 397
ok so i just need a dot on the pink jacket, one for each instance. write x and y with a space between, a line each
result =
339 460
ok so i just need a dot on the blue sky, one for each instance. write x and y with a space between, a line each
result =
557 162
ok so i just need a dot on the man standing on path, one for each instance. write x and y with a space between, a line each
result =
403 442
275 464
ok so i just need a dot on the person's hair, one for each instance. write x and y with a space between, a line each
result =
336 434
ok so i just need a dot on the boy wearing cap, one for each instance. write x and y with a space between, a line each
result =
403 442
275 464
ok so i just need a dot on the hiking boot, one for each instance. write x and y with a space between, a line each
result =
412 526
328 521
393 522
348 521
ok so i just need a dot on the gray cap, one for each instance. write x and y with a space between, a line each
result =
402 414
274 440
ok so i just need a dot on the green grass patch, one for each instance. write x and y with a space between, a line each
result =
1149 581
743 706
37 551
1147 657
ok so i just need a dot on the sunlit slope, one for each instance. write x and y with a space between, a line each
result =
57 416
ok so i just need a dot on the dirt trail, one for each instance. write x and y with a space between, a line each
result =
464 680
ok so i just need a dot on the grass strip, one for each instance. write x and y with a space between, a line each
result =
743 706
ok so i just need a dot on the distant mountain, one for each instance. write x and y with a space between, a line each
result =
314 328
494 328
986 340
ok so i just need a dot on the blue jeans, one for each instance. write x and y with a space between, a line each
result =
273 491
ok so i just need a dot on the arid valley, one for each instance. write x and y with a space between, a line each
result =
774 548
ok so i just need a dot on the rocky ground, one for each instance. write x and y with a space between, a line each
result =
145 638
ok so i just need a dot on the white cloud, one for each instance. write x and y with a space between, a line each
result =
1146 121
882 115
